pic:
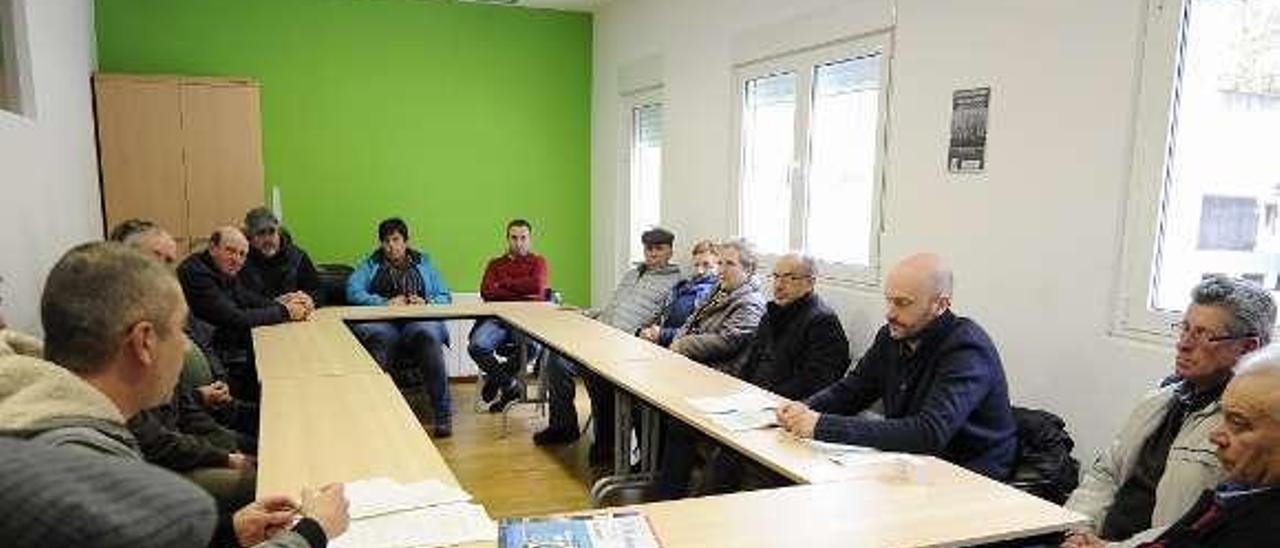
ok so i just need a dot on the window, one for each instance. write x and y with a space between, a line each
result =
811 139
1206 176
644 169
11 81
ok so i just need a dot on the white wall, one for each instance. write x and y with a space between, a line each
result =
49 196
1034 241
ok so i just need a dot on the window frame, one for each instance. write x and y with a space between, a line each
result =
1160 64
630 101
15 69
804 63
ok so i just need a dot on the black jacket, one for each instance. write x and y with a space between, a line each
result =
181 436
1249 522
798 350
289 270
949 399
226 304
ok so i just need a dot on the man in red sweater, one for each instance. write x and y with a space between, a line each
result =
519 275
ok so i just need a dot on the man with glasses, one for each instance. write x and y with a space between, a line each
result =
276 268
1162 459
799 348
938 375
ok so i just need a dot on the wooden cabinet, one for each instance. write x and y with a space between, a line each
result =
183 152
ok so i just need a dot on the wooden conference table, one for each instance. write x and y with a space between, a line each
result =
330 415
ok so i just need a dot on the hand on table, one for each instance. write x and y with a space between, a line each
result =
215 394
651 333
263 518
328 506
297 310
1083 539
797 419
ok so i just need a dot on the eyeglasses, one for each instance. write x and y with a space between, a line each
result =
790 277
1200 335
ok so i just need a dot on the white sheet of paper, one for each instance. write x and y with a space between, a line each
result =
829 448
377 496
441 525
747 400
627 531
739 421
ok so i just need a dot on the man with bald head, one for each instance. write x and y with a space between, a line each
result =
1241 511
938 374
217 297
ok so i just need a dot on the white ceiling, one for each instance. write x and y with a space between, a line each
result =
566 5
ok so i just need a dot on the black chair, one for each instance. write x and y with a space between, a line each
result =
333 284
1044 466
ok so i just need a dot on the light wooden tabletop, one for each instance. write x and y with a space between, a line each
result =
330 415
953 508
317 347
326 429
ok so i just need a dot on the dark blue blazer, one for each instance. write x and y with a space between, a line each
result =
948 398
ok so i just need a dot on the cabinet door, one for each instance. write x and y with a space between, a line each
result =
223 146
140 151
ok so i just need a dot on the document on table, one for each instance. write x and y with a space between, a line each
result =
741 421
388 514
747 400
873 463
443 525
746 410
372 497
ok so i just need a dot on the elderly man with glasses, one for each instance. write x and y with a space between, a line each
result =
1162 459
799 348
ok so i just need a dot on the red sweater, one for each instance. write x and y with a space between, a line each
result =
509 278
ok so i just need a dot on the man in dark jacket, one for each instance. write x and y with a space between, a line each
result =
1241 512
276 268
938 374
216 296
799 348
180 436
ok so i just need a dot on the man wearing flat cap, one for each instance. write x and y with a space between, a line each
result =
638 301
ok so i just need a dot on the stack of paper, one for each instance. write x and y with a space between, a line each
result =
746 410
747 400
372 497
387 514
873 463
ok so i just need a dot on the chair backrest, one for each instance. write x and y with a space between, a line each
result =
333 283
1044 466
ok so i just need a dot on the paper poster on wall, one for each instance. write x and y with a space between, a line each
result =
968 150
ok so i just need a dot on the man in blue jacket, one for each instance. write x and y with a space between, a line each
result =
398 275
686 295
939 375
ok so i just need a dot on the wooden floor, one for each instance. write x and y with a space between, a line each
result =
508 474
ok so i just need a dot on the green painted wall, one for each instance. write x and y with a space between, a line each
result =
456 117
